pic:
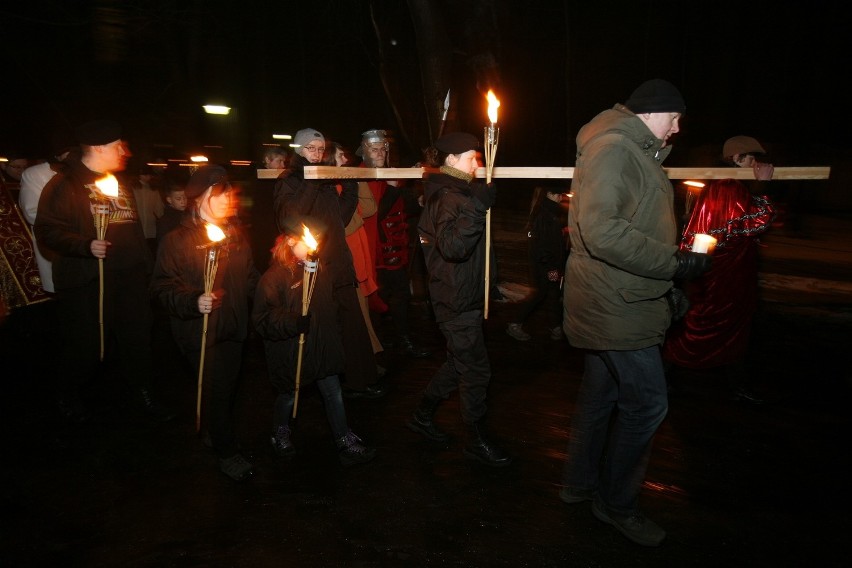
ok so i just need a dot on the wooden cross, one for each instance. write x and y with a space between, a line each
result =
546 172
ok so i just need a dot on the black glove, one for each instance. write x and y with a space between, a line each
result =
303 324
678 303
692 264
485 193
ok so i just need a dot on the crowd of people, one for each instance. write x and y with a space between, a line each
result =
108 256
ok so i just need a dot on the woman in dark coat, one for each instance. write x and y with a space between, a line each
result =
277 317
178 284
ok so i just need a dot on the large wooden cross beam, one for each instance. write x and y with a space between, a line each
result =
544 172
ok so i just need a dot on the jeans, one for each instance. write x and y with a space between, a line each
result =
611 457
332 398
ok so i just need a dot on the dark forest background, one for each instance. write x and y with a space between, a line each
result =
766 69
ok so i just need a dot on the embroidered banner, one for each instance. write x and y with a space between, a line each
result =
20 283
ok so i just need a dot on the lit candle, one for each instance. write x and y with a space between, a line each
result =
703 243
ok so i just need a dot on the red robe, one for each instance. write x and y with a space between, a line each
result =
716 329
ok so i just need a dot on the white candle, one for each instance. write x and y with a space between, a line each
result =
703 243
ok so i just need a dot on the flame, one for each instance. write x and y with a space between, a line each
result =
107 185
309 239
493 103
214 233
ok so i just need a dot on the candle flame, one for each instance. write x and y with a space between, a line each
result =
107 185
214 233
493 103
309 239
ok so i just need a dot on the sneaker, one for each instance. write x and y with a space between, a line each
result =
281 443
517 331
556 333
353 451
236 467
573 496
636 527
376 390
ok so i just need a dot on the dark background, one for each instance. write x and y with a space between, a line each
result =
770 70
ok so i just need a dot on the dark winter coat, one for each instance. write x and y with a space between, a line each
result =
318 203
277 306
452 234
65 229
546 247
623 230
178 281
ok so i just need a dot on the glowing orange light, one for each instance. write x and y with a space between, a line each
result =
493 103
108 185
309 239
214 233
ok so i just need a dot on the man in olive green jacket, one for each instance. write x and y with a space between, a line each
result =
617 301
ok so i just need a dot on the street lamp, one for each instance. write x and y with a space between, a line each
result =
216 109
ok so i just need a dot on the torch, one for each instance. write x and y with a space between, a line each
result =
107 187
308 282
492 137
211 265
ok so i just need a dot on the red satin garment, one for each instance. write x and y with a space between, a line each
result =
716 329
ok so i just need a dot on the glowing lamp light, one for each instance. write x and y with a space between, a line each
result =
107 185
216 109
198 159
493 104
214 233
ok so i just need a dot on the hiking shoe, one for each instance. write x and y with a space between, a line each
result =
517 331
556 333
281 443
572 495
636 527
236 467
353 451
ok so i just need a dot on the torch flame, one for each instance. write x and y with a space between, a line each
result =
493 103
214 233
309 239
108 185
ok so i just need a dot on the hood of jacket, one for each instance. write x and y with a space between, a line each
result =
620 120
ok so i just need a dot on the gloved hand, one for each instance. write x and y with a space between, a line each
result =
303 324
678 303
553 275
485 193
691 264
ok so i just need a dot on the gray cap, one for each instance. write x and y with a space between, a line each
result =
307 135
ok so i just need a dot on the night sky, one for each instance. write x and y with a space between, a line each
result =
749 68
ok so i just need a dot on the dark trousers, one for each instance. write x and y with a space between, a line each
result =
467 367
127 328
395 291
360 359
222 362
545 293
332 399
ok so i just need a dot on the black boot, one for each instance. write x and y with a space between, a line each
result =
152 408
479 448
409 348
421 420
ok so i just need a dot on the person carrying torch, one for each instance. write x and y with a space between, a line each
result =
210 319
452 234
101 268
295 313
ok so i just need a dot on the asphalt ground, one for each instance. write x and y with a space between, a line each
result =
734 484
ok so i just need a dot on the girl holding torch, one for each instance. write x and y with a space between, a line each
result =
209 320
303 346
